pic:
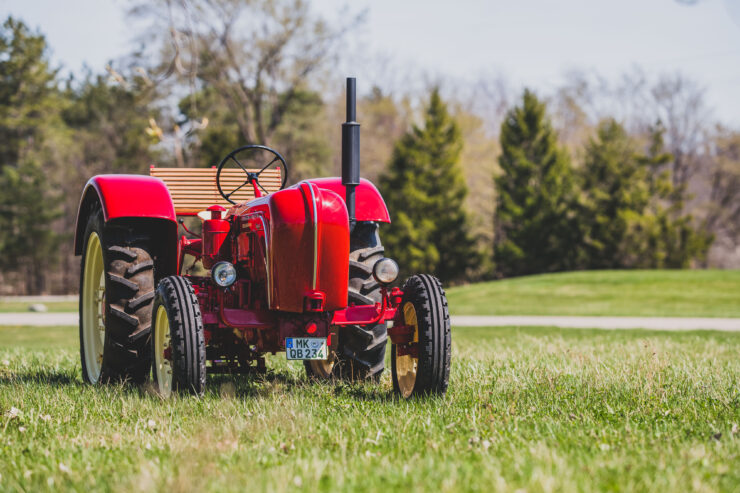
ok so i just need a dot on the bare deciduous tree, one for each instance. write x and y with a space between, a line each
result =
257 55
678 103
722 216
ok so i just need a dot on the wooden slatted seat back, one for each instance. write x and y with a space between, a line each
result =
194 189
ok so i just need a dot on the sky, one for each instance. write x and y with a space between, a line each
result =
530 42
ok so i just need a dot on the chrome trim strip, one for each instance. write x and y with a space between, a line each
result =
315 220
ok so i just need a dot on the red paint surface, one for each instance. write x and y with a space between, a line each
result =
363 315
125 196
369 204
214 235
289 219
133 196
292 250
333 258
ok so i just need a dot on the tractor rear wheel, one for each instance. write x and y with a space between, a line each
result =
116 293
361 349
178 345
423 366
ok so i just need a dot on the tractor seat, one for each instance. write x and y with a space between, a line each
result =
194 189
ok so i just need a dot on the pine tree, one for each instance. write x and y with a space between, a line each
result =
425 191
624 216
28 244
615 184
536 228
29 108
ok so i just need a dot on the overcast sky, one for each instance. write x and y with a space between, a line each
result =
531 42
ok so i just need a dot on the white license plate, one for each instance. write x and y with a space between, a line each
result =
306 348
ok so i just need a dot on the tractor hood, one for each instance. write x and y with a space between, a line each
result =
304 233
370 205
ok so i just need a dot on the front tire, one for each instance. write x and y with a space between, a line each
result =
178 345
116 292
422 367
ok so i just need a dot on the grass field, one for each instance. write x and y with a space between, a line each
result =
54 306
669 293
652 293
534 409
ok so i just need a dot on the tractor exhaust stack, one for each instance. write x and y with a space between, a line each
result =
351 151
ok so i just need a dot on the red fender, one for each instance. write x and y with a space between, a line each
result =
369 204
132 197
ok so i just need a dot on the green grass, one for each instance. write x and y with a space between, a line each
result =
672 293
533 409
667 293
52 306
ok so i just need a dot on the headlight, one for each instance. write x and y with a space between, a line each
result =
385 271
223 274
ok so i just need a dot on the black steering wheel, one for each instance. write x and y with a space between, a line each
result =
258 152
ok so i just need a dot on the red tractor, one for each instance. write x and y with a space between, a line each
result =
297 269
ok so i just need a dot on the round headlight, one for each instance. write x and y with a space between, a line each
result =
385 271
223 274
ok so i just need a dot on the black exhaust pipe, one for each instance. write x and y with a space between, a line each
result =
351 151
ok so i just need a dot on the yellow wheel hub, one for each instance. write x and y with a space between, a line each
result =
324 367
408 365
93 308
162 353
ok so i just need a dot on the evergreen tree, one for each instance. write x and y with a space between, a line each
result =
623 214
535 224
29 109
680 241
425 190
28 244
111 123
27 89
615 185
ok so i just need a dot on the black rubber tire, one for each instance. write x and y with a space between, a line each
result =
129 291
361 349
187 338
435 338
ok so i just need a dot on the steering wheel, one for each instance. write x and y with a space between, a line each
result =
257 154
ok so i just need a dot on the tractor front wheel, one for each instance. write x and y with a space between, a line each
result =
178 342
422 367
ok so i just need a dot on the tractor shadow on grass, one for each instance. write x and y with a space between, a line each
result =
251 384
242 386
40 377
255 385
364 391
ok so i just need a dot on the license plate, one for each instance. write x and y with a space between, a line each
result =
306 348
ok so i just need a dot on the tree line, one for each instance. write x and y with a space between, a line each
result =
517 183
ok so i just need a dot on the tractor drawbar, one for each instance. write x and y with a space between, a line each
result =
351 151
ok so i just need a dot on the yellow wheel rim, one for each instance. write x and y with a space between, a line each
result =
93 308
323 367
407 365
162 356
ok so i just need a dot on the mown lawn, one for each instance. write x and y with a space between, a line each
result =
669 293
652 293
52 306
535 409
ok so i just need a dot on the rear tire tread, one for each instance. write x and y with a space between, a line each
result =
122 281
361 349
129 278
